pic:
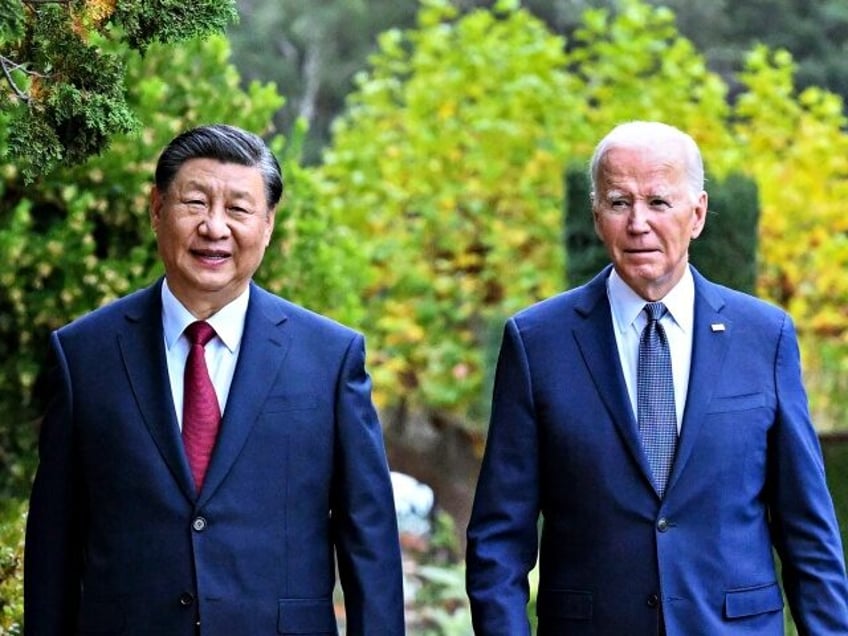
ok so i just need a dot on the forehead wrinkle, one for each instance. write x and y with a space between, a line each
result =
655 183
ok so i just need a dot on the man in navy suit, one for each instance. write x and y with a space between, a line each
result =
652 525
127 532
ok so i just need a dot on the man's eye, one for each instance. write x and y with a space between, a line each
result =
659 203
618 203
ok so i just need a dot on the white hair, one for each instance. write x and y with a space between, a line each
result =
651 134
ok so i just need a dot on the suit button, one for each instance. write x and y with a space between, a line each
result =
663 524
653 600
186 599
199 524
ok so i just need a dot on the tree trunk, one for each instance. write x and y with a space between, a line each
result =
438 452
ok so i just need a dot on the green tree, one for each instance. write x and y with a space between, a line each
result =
63 80
12 522
635 65
814 31
796 148
726 251
441 166
312 50
584 253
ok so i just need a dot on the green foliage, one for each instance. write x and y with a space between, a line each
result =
11 20
441 166
12 524
835 452
166 21
826 371
797 151
64 72
313 50
815 32
315 259
635 65
75 101
726 251
584 252
440 606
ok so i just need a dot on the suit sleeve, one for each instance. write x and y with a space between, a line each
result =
53 548
502 533
804 524
364 519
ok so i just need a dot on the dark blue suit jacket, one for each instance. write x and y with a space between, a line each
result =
117 541
748 477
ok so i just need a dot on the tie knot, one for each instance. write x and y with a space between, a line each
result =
200 332
655 311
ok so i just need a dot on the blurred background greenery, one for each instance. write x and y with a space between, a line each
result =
434 153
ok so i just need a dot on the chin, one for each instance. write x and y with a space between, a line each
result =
641 275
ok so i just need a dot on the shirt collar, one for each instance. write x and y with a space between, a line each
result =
627 305
228 321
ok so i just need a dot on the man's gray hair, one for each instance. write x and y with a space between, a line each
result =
651 134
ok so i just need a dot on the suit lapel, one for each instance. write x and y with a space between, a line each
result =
263 347
142 347
710 342
596 340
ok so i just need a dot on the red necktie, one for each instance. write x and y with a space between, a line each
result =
201 413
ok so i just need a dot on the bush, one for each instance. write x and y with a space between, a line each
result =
11 569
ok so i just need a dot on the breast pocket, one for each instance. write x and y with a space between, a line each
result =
732 403
294 402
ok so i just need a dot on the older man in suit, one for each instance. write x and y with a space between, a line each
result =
658 424
210 455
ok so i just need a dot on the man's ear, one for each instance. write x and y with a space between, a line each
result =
155 208
269 228
596 217
700 213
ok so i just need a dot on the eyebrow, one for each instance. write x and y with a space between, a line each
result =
232 194
619 194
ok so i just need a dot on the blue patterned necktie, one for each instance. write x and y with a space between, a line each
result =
655 397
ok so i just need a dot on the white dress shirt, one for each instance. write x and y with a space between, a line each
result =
628 318
221 352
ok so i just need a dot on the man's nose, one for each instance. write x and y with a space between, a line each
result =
637 220
215 225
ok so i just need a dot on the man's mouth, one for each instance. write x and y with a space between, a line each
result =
211 254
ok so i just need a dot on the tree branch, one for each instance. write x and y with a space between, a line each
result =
9 66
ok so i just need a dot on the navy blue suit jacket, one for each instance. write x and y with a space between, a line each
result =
119 543
748 477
